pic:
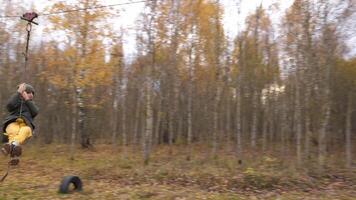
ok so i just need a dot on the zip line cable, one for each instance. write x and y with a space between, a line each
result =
91 8
79 9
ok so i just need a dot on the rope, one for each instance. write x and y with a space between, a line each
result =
28 29
7 172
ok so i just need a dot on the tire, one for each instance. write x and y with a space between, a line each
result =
64 188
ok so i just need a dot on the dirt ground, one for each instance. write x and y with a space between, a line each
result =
109 174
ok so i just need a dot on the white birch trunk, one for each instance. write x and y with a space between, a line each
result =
149 124
147 139
85 140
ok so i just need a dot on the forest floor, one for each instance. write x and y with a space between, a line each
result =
112 174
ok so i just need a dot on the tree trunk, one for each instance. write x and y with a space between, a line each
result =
239 88
271 116
265 126
149 124
180 126
254 119
74 126
190 102
137 121
216 121
297 120
123 123
189 120
228 116
85 138
238 121
348 130
173 108
284 123
158 123
307 123
323 134
171 124
218 77
147 139
115 113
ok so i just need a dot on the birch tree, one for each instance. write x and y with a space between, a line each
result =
149 41
83 38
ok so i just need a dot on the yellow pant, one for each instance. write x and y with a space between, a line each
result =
18 131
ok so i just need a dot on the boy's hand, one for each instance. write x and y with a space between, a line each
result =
21 88
25 96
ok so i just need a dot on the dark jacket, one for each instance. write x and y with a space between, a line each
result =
29 111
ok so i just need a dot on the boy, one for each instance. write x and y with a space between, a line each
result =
18 125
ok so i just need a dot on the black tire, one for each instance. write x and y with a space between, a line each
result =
66 183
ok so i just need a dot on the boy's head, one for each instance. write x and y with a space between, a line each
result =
29 89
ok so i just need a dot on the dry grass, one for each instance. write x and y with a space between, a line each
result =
109 174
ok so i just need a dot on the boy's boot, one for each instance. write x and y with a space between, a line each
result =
14 160
14 150
6 148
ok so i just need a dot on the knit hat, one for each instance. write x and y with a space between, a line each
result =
29 89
